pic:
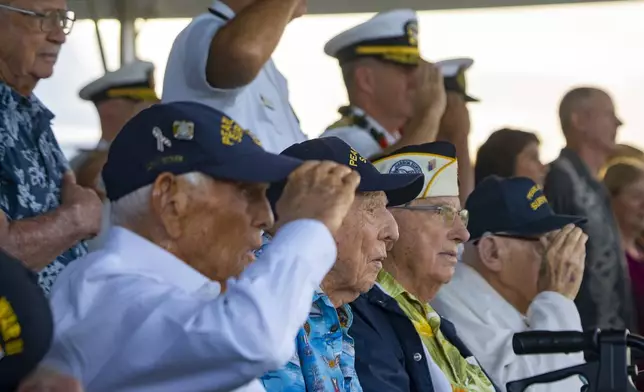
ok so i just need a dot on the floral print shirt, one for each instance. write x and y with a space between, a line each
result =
32 166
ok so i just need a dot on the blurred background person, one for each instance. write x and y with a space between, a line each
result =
117 96
589 124
395 97
510 153
624 180
455 124
45 215
521 271
223 59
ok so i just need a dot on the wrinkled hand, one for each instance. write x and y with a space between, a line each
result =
563 263
323 191
430 93
84 205
44 380
455 124
89 174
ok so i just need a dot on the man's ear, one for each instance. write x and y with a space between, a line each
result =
169 203
364 78
490 250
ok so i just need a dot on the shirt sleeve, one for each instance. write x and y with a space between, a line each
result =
173 342
357 138
199 38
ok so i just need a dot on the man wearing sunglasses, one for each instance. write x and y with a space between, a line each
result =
44 214
521 271
401 343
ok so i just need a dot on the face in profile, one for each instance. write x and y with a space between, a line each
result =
215 226
366 233
30 45
600 123
429 239
529 165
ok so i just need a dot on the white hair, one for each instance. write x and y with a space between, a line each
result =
135 205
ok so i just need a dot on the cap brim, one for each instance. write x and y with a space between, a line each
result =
260 167
547 224
399 188
471 99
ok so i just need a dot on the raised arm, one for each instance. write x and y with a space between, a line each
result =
239 50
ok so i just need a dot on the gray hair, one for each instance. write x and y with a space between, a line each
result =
135 205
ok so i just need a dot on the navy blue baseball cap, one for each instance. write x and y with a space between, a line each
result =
512 206
182 137
27 327
399 188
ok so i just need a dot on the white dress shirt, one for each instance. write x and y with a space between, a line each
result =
486 323
261 107
134 318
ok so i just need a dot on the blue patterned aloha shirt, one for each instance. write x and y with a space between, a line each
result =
324 359
32 166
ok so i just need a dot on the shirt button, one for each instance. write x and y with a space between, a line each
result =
334 328
417 357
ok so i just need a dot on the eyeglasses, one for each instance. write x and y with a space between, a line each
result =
50 20
448 213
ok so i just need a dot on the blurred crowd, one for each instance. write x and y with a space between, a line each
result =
205 244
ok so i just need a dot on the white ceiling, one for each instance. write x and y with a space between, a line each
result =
106 9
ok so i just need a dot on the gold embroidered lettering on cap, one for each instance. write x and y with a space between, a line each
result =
183 130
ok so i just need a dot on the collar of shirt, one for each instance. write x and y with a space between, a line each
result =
148 259
34 105
222 8
391 138
466 277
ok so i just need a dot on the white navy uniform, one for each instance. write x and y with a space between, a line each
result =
390 36
169 328
261 107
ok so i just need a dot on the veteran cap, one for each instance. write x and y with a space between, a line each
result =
26 324
132 81
512 206
399 189
436 162
182 137
391 36
453 71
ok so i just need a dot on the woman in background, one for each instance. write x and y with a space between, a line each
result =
510 153
624 179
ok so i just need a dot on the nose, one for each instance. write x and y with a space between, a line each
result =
458 232
57 36
261 213
389 232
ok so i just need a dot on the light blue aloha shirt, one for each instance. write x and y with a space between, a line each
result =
324 359
32 166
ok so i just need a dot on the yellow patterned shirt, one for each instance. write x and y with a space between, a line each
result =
461 374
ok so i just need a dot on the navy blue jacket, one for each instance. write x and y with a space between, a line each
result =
389 352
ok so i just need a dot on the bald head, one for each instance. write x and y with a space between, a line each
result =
574 101
587 116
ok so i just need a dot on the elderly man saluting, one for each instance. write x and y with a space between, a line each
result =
324 357
521 270
168 304
402 344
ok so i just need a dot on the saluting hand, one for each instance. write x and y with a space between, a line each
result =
317 190
562 268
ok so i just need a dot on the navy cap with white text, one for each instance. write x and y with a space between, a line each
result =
183 137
